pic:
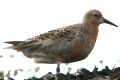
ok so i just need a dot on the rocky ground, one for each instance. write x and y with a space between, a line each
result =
83 74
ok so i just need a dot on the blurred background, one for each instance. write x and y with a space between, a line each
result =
22 19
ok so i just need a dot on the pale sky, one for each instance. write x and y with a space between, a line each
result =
22 19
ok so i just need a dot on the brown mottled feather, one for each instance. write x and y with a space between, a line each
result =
61 36
58 33
57 41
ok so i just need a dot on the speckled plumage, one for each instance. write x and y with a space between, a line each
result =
67 44
64 32
61 40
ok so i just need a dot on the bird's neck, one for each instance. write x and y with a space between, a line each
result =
93 28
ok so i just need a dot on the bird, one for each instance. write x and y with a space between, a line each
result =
67 44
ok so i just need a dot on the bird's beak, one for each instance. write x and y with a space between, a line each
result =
108 22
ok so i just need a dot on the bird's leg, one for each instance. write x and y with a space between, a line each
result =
58 68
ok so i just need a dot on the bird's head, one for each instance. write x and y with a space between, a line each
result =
95 17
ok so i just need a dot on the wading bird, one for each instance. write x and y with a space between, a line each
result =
63 45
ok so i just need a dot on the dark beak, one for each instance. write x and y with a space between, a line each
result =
108 22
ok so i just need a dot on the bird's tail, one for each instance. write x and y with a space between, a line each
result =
22 45
14 44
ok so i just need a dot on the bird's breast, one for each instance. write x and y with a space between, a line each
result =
82 49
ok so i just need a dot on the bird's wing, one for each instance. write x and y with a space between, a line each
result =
58 41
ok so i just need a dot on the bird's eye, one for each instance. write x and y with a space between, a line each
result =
95 15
